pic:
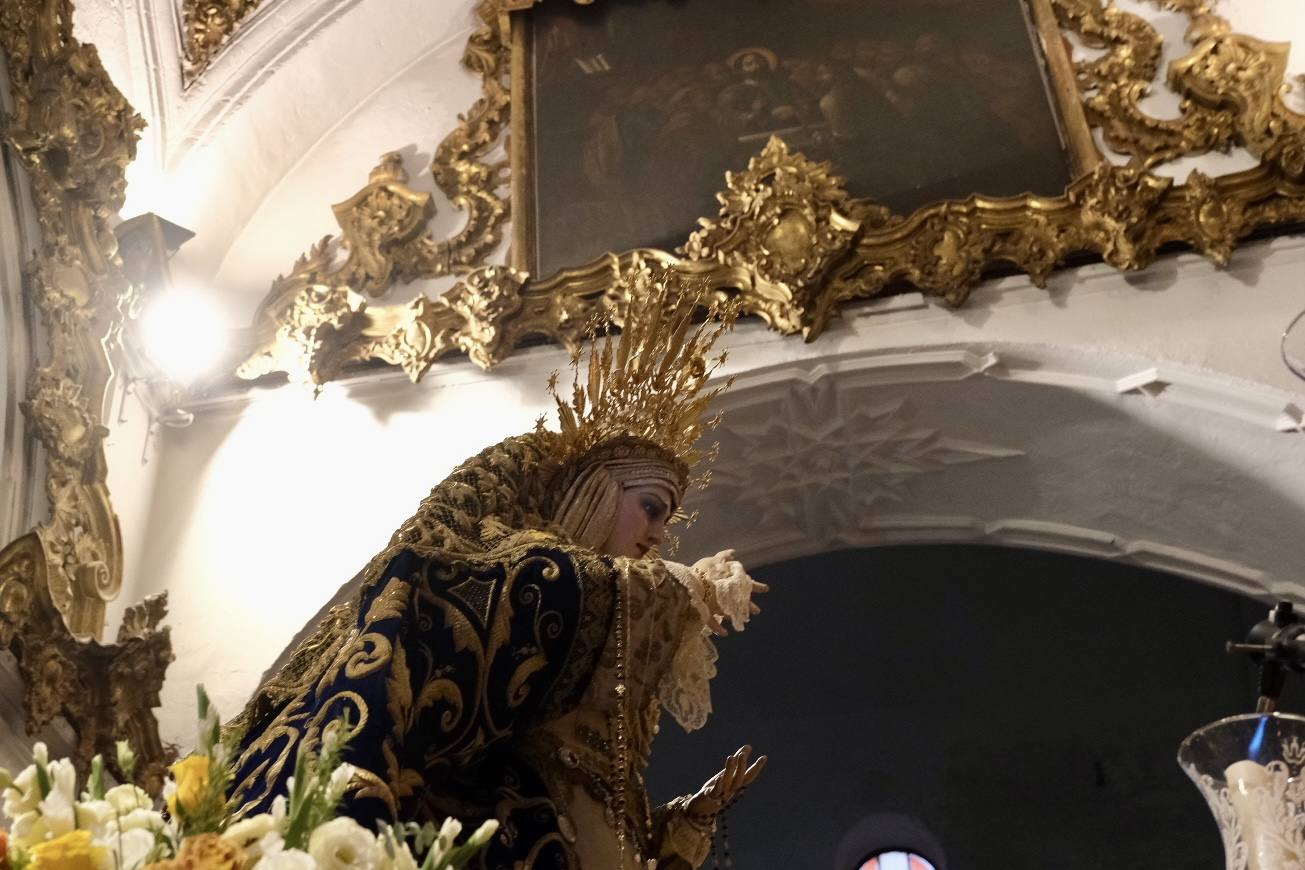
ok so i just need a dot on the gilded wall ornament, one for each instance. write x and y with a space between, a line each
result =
75 134
790 241
784 220
206 27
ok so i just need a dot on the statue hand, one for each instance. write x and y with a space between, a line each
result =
722 789
729 589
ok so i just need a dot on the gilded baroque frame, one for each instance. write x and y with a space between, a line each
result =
787 238
74 133
1081 149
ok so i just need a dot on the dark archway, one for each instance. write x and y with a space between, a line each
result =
1027 706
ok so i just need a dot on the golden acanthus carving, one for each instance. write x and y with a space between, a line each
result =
784 220
311 324
206 27
1231 87
75 134
794 246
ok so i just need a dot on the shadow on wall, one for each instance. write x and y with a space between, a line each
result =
1025 706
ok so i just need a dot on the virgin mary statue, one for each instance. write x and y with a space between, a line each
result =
509 654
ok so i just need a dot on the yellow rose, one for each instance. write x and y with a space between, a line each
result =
73 851
191 775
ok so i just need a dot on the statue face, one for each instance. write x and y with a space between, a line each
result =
640 522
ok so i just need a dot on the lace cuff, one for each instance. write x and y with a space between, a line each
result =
685 689
683 840
731 586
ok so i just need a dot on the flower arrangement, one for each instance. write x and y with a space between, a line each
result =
122 827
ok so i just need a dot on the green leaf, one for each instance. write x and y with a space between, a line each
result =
95 787
43 780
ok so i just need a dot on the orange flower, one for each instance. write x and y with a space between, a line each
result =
203 852
4 850
210 852
72 851
191 774
166 864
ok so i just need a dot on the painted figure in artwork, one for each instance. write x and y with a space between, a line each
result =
510 653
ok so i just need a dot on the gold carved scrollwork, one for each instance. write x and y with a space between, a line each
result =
378 225
473 316
313 323
1113 206
785 220
206 26
75 134
794 246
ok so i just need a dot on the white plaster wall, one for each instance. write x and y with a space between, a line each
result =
410 114
298 74
131 451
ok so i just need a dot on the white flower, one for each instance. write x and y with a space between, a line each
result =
271 842
257 835
275 856
57 807
126 758
144 819
443 844
330 739
482 834
343 844
248 832
37 819
95 816
339 782
207 727
286 859
125 798
130 848
25 793
29 829
449 830
395 854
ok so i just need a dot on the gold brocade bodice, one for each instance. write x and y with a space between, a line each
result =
593 758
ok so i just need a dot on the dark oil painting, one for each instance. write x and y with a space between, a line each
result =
641 106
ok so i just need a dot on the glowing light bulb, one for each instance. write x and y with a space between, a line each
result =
183 333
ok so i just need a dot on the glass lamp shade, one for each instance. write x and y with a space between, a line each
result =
1293 345
1249 769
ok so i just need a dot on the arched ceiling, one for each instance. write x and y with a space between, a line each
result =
1019 445
288 119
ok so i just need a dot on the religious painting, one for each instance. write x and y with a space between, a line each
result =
636 109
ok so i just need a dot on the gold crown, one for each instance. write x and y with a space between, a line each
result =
648 384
